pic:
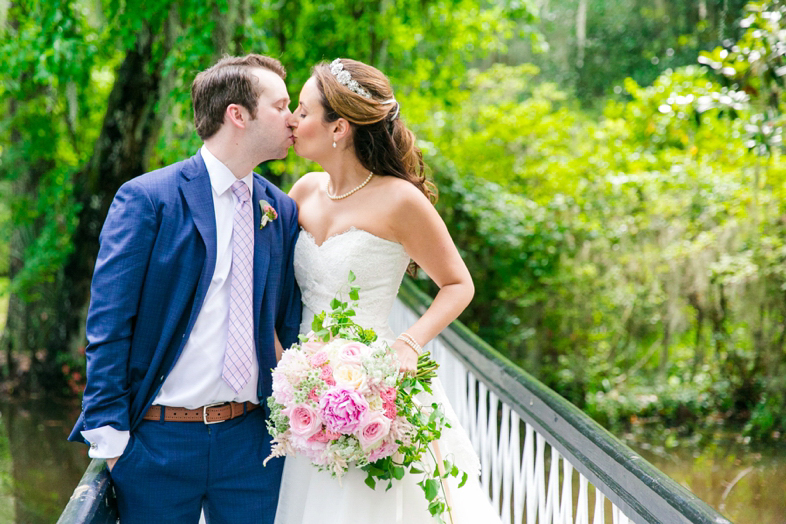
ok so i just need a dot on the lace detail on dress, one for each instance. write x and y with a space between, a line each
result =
323 270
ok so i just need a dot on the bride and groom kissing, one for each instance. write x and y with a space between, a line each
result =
206 272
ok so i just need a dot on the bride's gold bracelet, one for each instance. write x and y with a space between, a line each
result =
411 342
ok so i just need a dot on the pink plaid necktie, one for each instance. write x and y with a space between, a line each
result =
240 335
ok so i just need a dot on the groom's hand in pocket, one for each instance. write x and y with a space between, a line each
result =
110 463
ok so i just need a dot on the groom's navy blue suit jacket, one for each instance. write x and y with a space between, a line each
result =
156 260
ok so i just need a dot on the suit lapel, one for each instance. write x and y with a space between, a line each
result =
262 240
199 199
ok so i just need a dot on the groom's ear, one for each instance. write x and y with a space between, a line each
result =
340 129
236 115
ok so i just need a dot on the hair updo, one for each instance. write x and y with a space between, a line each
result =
382 142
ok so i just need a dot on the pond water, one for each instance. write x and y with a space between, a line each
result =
746 485
39 468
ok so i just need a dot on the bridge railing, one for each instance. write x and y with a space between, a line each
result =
93 501
542 459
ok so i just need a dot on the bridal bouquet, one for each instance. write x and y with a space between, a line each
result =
339 399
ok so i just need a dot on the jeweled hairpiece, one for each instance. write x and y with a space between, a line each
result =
345 78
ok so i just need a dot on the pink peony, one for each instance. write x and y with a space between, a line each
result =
372 429
304 421
312 448
342 410
283 392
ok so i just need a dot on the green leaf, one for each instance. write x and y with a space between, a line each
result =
335 303
431 488
398 472
464 478
436 508
370 482
351 276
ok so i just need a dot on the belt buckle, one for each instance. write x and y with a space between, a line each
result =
204 412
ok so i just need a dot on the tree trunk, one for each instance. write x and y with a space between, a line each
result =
581 32
122 152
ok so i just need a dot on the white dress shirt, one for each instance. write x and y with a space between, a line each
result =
195 379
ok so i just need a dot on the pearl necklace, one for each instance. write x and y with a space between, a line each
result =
345 195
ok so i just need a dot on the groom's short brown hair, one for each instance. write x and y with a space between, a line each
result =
229 81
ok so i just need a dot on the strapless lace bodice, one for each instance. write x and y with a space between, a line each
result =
323 270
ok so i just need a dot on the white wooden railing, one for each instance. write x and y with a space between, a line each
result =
537 450
543 461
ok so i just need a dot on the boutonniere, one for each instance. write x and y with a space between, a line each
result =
268 213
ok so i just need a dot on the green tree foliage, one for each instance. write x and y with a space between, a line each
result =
593 45
98 92
634 253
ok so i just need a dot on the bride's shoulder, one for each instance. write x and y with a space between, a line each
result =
307 184
403 195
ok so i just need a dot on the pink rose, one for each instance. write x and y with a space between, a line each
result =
352 353
311 347
372 429
318 359
342 410
326 372
385 450
304 421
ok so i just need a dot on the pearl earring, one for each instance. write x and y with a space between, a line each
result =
334 145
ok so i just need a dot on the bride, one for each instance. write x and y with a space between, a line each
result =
372 212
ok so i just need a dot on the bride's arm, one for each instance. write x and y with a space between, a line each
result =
422 232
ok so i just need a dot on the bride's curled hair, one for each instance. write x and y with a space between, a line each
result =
382 142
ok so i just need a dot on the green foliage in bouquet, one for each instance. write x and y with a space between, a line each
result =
338 323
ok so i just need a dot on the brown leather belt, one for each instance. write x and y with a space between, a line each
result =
210 414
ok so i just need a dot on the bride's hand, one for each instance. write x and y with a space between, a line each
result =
406 356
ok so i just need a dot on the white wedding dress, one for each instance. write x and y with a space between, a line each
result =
309 496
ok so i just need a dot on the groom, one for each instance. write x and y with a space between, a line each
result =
192 290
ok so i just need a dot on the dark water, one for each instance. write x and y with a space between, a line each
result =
746 485
39 468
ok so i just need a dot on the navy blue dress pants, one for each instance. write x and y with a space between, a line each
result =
171 470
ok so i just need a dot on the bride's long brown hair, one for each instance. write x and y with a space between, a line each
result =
382 142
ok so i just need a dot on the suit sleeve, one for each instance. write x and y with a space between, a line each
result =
127 240
290 308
